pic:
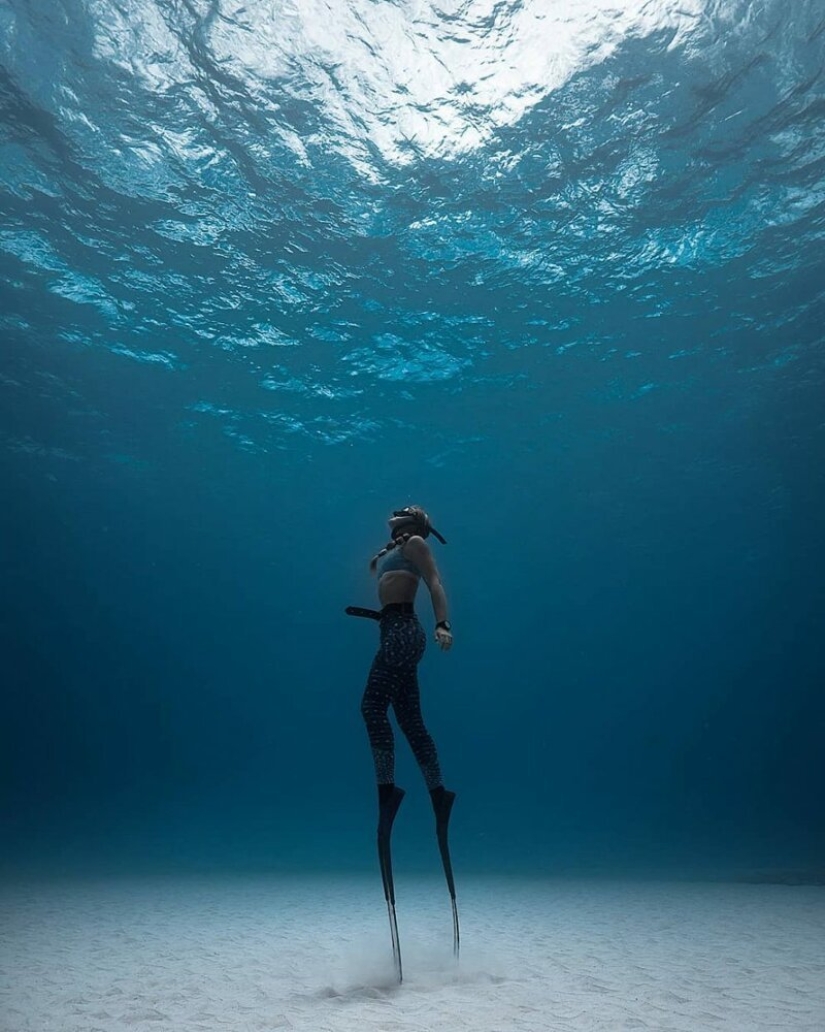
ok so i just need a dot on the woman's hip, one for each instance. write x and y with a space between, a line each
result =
402 638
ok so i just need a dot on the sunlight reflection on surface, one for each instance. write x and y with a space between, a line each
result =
414 80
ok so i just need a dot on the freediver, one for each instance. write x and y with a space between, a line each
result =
400 566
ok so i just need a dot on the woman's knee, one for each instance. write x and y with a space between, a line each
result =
374 708
411 723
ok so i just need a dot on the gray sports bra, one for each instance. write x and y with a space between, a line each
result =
396 560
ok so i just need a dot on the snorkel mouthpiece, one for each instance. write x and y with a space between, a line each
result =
416 519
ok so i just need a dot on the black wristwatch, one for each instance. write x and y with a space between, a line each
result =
444 625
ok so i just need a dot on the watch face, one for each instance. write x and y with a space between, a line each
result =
446 625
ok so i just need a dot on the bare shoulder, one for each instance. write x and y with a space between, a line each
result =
417 549
414 546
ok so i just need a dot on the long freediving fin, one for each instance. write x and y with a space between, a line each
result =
442 805
389 800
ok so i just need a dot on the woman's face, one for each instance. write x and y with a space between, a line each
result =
410 520
396 523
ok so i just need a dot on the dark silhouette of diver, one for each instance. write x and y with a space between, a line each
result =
393 680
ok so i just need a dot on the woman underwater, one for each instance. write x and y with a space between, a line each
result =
400 566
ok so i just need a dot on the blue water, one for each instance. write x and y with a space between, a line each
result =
555 272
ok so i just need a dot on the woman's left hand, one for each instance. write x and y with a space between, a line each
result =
444 638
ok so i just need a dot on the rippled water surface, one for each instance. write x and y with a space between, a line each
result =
302 214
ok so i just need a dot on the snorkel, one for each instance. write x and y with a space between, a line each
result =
404 523
413 520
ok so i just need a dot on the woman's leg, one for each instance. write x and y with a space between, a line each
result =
374 706
407 706
394 678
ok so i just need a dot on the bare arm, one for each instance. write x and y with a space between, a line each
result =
419 552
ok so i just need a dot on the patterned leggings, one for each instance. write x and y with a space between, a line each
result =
393 679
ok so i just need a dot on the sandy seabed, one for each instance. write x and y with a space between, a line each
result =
313 954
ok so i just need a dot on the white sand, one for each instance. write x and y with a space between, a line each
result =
250 954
